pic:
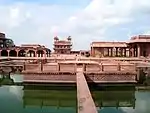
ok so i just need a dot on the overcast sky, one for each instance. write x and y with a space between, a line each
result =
38 21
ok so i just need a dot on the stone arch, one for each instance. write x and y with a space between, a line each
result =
4 53
31 53
40 53
22 53
13 53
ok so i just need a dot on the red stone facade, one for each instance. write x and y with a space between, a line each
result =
138 46
109 49
7 48
62 46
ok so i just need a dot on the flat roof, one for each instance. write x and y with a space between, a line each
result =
140 39
108 44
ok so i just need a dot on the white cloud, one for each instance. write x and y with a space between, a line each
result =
99 19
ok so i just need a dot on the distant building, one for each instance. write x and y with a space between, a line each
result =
8 48
81 52
62 46
109 49
137 46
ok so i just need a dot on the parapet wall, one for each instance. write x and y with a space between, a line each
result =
66 73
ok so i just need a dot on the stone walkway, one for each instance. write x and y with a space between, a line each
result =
85 101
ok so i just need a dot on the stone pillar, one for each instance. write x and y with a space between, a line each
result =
138 74
92 51
58 68
36 55
116 51
111 52
138 50
24 66
121 52
44 54
26 55
17 52
132 52
108 51
8 52
118 67
41 65
84 67
102 67
125 52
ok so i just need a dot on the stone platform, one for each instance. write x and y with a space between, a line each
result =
115 72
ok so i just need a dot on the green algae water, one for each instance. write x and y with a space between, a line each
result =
62 99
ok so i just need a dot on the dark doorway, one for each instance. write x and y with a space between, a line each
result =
144 53
4 53
40 53
13 53
22 53
31 53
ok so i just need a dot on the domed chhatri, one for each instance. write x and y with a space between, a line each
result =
69 38
56 38
2 35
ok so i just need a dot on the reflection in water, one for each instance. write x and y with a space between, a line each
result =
52 99
122 101
42 97
36 100
114 98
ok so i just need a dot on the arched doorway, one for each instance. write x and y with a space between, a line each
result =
31 53
22 53
13 53
4 53
40 53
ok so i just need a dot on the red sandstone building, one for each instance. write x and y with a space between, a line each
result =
65 47
137 46
8 48
62 46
